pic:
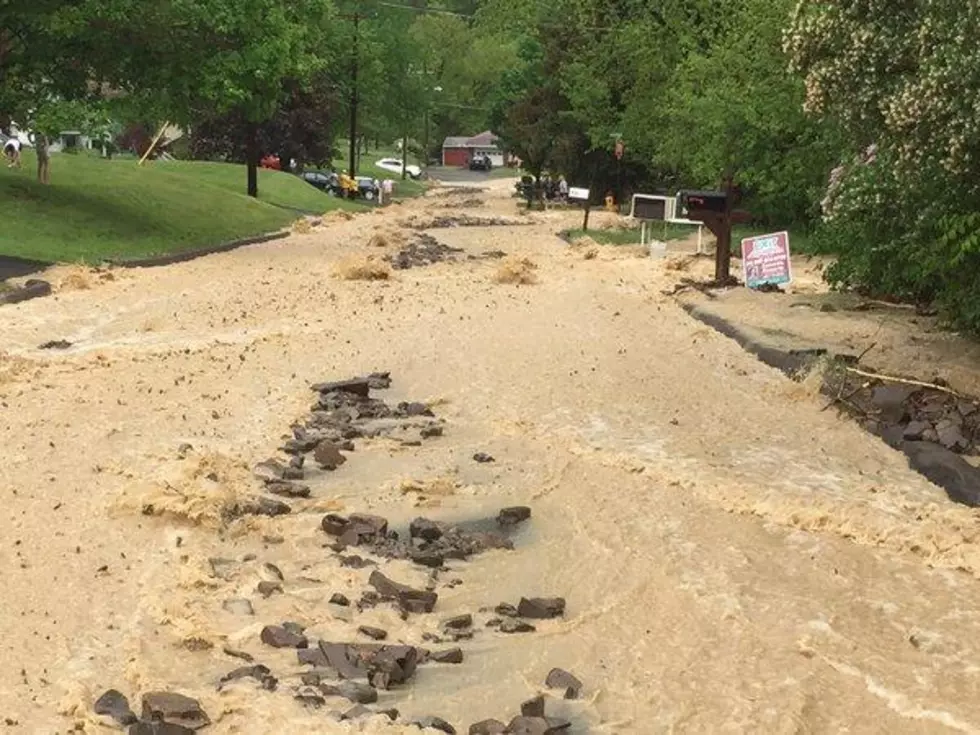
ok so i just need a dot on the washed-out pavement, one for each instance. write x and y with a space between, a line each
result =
729 557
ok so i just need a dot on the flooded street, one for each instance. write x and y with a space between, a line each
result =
733 558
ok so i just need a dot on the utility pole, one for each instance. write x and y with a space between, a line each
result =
356 17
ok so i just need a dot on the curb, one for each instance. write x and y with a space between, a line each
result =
33 289
943 468
183 257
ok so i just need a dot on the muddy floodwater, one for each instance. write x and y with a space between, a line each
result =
732 558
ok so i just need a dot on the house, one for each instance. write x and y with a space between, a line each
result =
457 151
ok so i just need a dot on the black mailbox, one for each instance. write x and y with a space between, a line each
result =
710 201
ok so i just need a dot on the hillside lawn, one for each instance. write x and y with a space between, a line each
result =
95 209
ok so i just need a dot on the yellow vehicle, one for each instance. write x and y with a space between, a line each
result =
348 186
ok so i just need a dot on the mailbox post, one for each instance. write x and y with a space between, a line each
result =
580 194
715 209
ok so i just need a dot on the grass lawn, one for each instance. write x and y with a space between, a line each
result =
798 240
96 209
632 237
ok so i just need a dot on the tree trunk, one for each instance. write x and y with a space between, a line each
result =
252 159
43 159
404 156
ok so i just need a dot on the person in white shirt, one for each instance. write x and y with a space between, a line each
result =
11 150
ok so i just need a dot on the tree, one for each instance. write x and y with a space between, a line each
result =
302 129
184 60
45 71
900 80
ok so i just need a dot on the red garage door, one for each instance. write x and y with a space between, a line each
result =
455 156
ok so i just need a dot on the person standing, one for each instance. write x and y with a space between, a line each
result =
562 189
11 150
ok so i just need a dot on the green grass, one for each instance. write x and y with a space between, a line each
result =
632 236
96 209
798 239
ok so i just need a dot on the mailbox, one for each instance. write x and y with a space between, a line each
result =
650 209
709 201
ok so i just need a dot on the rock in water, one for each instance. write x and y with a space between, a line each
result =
269 471
561 679
158 728
258 672
488 727
288 489
513 516
377 634
541 608
327 455
533 707
449 656
115 705
279 636
458 622
536 726
351 690
267 589
357 386
174 709
358 710
425 529
513 625
435 723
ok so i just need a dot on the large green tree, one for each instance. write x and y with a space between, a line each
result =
180 60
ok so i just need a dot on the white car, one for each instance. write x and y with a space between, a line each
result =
395 166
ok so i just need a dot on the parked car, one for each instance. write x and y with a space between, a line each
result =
366 188
395 166
272 162
326 181
341 185
480 162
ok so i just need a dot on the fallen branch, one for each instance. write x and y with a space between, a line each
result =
841 398
903 381
866 351
867 305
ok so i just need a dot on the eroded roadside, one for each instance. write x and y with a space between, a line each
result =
729 555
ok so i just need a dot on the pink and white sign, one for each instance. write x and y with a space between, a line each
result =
765 259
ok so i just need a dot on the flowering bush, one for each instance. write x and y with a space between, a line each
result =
902 79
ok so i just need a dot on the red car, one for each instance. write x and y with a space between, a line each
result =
272 162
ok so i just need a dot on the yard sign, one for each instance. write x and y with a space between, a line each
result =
765 259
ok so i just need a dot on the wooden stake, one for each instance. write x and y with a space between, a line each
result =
154 143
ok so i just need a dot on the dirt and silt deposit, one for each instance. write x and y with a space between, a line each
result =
729 556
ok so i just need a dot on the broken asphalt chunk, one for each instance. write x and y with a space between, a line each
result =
351 690
258 672
174 709
115 705
488 727
513 516
278 636
541 608
449 656
561 679
435 723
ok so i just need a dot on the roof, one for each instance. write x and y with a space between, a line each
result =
485 139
